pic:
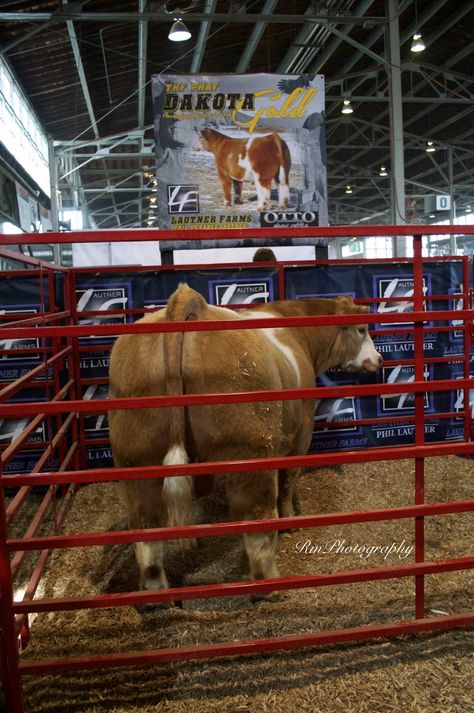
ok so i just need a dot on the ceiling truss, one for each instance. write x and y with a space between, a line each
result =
111 176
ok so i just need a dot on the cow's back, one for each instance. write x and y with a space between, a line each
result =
136 369
212 362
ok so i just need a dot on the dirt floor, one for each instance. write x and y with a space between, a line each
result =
431 672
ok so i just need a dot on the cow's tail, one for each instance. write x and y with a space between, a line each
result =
185 304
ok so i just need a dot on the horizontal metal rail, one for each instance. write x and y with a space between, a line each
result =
147 234
238 528
237 589
8 391
107 330
372 455
249 646
140 402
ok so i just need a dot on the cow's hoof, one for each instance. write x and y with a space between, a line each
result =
188 544
290 531
265 597
154 607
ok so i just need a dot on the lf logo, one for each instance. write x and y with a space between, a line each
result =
183 199
11 429
399 375
457 304
241 293
335 411
25 343
396 287
101 299
93 421
459 401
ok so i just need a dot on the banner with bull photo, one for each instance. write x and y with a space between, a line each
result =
239 151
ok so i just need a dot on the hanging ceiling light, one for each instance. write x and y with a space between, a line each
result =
348 189
429 147
383 171
347 108
417 44
468 209
179 32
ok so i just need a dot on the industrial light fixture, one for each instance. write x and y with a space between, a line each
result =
417 44
347 108
383 171
348 189
468 209
429 147
179 32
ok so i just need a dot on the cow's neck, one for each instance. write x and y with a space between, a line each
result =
318 342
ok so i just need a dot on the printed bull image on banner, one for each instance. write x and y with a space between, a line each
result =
240 151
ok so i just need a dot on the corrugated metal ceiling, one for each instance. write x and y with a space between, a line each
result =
50 44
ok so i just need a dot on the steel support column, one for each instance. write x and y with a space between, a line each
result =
396 126
53 182
452 212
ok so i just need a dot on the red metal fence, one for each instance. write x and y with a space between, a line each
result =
62 465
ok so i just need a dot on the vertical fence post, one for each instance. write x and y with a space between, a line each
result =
418 306
9 638
73 356
467 346
76 362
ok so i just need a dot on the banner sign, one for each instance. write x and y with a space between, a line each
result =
334 427
21 298
384 281
240 151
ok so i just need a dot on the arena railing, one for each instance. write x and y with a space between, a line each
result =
65 339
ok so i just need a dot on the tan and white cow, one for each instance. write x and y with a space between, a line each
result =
261 159
223 361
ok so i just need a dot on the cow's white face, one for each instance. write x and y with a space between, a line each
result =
368 358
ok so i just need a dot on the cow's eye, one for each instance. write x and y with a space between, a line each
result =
361 331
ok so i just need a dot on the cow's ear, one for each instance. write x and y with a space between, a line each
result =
344 304
361 309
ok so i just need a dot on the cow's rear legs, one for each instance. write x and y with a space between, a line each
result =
287 502
147 510
253 496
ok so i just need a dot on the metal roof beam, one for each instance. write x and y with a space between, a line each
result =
304 35
142 52
131 136
255 37
224 18
336 41
111 189
82 74
24 38
406 100
209 7
407 34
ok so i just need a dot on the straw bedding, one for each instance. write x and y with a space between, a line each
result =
430 672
